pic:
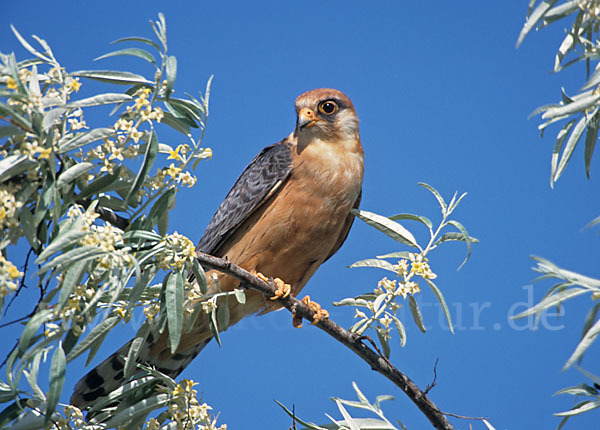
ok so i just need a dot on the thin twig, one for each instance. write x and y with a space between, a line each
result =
350 340
22 283
430 386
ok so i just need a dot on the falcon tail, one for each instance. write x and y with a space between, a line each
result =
108 375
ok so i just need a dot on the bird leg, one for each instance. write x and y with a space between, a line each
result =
283 289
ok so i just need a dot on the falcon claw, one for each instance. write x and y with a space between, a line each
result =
320 313
283 289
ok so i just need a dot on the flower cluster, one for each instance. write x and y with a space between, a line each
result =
178 249
8 274
187 411
9 207
73 420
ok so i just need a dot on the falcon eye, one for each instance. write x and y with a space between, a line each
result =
328 107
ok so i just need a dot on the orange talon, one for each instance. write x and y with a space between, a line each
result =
283 289
320 313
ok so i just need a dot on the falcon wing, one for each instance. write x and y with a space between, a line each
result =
259 180
345 230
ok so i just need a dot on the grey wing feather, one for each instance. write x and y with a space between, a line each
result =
266 171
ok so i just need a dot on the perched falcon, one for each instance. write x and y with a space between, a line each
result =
288 212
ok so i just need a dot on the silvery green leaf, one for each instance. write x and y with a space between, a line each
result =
70 142
73 173
387 226
57 380
240 295
14 165
400 328
134 52
101 99
52 117
27 46
134 350
32 326
112 77
139 409
536 15
572 142
558 146
176 123
440 297
421 219
171 73
437 196
590 142
584 406
467 239
100 330
580 390
375 262
488 425
122 392
552 300
384 340
400 254
416 313
174 300
149 157
137 39
223 313
579 105
349 421
584 344
200 276
9 130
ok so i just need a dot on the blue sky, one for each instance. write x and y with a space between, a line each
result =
443 98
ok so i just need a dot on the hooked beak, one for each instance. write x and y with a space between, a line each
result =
306 118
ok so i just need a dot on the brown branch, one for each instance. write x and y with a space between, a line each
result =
349 339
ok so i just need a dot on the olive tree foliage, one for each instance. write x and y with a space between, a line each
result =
92 202
577 117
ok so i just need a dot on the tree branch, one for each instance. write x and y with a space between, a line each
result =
351 340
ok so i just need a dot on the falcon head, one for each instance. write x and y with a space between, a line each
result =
326 114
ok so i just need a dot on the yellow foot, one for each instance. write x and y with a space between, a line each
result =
283 289
320 313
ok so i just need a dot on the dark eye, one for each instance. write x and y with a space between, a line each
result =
328 107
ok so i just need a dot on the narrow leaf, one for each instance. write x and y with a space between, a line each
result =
535 16
174 301
387 226
440 297
100 330
57 379
73 173
68 143
101 99
437 196
421 219
149 157
375 262
416 313
134 52
112 77
590 142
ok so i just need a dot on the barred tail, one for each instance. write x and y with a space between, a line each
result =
108 375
